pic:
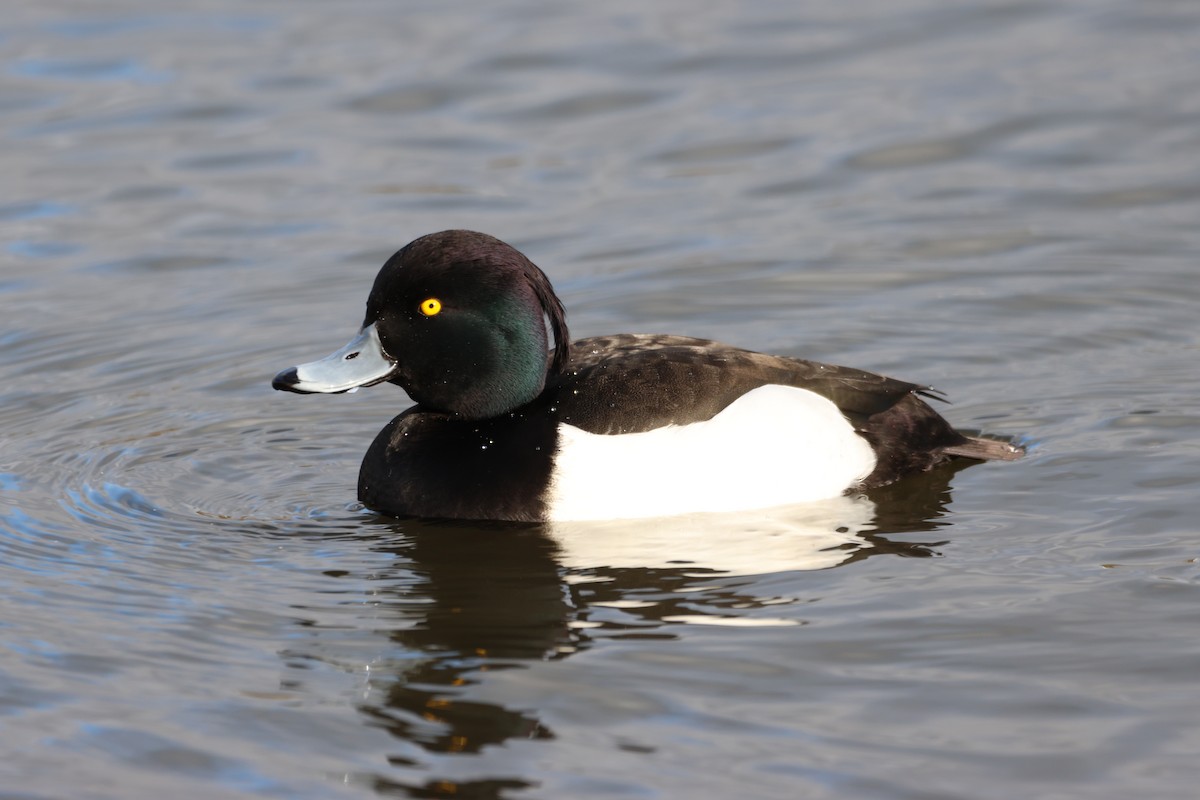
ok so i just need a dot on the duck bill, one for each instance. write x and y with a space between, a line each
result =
362 362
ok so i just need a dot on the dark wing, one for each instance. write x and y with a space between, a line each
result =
631 383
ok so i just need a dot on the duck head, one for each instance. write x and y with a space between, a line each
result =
458 320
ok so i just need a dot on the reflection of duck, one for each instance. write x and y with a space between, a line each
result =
610 427
814 535
495 595
496 598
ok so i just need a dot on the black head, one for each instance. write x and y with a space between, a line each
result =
463 316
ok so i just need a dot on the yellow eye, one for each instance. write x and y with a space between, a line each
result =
431 306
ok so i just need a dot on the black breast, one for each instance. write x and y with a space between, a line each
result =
432 465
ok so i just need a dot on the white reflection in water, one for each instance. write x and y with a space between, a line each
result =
797 537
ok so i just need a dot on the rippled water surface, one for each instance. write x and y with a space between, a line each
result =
997 198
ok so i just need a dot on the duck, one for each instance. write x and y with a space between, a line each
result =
513 421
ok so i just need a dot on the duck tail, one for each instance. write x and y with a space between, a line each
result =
980 448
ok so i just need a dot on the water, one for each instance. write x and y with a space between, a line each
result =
999 199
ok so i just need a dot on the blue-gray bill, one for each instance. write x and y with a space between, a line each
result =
362 362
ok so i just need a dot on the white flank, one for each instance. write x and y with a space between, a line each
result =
774 446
